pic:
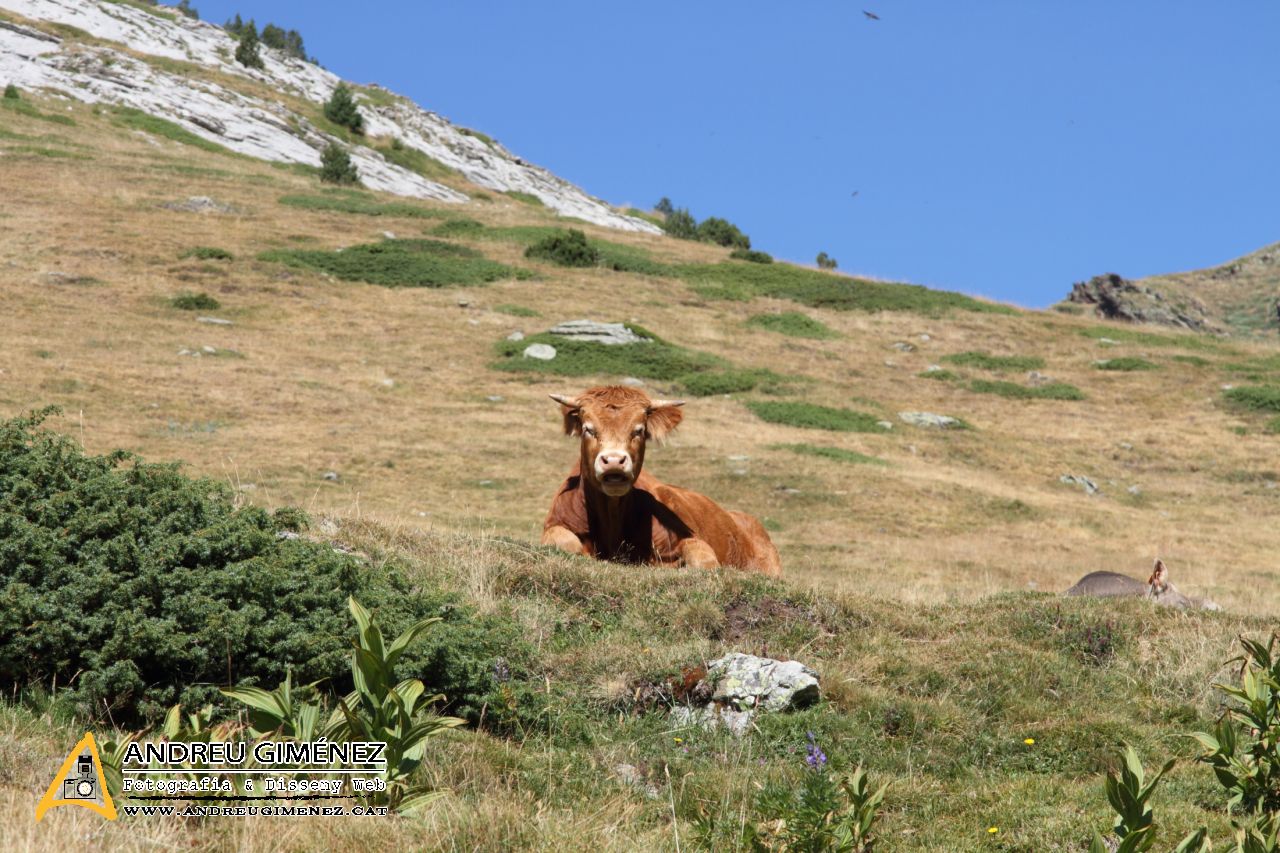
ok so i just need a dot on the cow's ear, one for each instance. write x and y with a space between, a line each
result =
662 417
572 412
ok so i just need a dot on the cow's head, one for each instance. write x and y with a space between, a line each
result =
615 422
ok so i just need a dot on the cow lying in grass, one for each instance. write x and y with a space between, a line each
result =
1158 588
609 509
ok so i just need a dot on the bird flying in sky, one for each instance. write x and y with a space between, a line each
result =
872 15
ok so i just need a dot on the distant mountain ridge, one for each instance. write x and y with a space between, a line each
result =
1239 297
182 70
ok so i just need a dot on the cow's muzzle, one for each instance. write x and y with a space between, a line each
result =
615 473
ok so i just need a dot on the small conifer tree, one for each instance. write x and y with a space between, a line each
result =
11 93
336 166
341 109
826 262
248 52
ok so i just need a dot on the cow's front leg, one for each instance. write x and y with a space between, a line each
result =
698 554
563 538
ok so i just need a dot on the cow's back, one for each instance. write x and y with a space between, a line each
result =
737 538
1108 585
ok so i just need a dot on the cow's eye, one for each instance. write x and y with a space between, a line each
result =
638 431
588 429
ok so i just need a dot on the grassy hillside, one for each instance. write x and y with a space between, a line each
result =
378 393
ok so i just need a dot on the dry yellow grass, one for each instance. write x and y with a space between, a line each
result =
389 388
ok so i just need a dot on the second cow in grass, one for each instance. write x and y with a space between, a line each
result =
610 509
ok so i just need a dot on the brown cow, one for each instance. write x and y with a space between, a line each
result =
609 509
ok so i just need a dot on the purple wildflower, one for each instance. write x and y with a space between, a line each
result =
815 758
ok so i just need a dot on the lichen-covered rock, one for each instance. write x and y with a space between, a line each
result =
610 334
711 717
746 682
542 352
929 419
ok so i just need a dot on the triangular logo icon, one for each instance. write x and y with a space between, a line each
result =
80 782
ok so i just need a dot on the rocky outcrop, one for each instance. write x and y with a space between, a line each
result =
738 686
1117 298
610 334
115 65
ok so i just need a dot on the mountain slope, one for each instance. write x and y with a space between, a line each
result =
182 70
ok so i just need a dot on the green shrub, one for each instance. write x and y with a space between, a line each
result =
185 8
348 201
1255 398
568 249
839 454
751 256
1050 391
133 587
400 263
195 302
722 232
940 375
462 227
664 206
336 166
731 381
1127 363
825 261
984 361
736 281
653 359
475 134
1272 427
248 51
341 109
11 93
208 253
811 416
680 223
793 324
288 42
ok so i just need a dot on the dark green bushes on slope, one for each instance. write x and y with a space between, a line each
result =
129 586
400 263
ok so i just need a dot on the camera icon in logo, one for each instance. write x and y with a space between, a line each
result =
84 785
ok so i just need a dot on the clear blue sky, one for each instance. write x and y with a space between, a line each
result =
1005 147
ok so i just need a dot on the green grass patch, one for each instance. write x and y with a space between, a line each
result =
208 253
731 381
1193 360
475 134
839 454
651 218
416 161
195 302
792 324
743 281
653 359
24 108
986 361
135 119
525 198
400 263
50 153
1255 398
1272 427
812 416
1014 391
352 201
516 310
940 375
1131 336
1126 364
559 246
